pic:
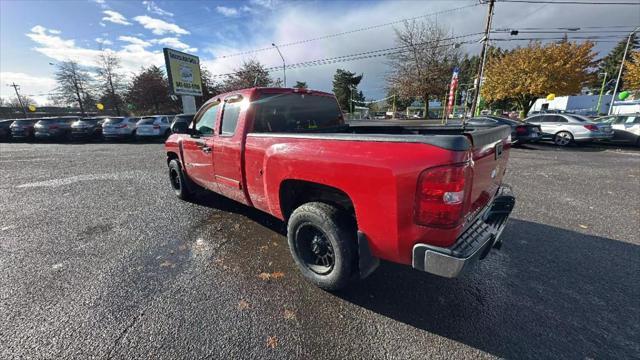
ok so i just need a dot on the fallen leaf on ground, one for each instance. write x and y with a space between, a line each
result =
272 342
268 276
289 314
167 263
243 305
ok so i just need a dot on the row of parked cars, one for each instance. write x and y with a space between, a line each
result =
566 129
75 128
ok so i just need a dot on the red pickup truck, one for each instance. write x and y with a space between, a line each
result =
426 196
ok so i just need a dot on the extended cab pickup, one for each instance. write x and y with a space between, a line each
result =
426 196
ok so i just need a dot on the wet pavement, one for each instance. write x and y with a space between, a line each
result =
99 259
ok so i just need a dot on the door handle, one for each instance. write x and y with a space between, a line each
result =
206 149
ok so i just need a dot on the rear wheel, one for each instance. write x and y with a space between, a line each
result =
322 242
563 138
178 180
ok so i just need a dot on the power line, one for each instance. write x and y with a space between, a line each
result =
568 31
329 36
361 55
565 28
570 2
561 38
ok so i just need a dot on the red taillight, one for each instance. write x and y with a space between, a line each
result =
156 126
521 130
591 127
442 195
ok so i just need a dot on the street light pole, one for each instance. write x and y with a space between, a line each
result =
284 65
624 56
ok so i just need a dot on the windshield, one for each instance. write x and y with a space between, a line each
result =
146 121
296 113
50 121
581 118
89 121
115 120
24 122
183 118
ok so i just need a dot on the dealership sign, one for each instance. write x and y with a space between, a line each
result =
183 71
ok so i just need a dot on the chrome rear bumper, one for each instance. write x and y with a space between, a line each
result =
474 243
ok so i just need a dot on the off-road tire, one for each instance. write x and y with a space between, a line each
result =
336 228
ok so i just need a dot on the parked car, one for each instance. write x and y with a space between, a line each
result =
22 129
114 128
520 132
351 194
565 129
182 118
157 126
87 128
5 129
626 128
56 128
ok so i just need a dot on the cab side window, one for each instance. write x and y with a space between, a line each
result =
230 118
207 121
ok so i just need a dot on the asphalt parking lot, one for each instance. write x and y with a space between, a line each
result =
99 259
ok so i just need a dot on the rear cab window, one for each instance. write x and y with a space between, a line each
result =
147 120
294 112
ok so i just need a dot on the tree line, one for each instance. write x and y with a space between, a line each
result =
421 71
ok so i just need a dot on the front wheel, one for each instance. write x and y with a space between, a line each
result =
178 180
322 242
563 138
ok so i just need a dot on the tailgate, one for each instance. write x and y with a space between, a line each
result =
490 152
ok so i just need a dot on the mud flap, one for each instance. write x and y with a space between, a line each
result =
367 263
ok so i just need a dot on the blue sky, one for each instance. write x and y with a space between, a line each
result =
36 33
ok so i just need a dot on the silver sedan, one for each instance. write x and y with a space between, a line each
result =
565 129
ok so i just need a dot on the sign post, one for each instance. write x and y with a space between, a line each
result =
183 71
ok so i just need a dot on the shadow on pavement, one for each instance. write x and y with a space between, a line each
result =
549 293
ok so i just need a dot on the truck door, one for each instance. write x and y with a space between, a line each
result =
227 150
197 148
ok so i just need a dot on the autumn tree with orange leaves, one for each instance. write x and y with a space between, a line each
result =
524 74
632 72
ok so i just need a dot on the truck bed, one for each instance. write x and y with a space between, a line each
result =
448 137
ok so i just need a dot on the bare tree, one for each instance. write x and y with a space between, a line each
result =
15 103
111 80
74 85
423 67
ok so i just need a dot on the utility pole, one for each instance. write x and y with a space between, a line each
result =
604 81
624 56
483 57
15 87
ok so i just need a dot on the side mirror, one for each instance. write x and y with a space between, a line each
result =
180 127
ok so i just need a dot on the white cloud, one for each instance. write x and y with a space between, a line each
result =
269 4
153 8
35 87
115 17
103 41
134 40
159 27
174 43
132 56
227 11
53 31
102 3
